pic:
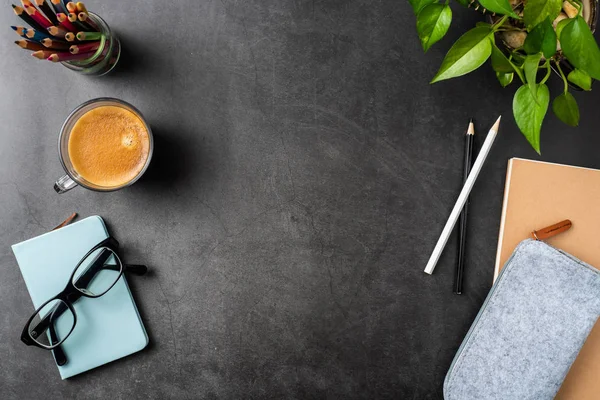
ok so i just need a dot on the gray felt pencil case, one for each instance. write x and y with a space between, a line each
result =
530 328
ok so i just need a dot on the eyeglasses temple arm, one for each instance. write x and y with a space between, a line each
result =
59 354
136 269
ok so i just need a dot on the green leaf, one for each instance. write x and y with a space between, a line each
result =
581 79
559 27
541 38
505 79
499 7
531 66
529 113
580 47
535 11
467 54
432 23
566 109
418 5
499 61
463 2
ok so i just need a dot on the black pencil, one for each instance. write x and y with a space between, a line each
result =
462 222
47 10
20 12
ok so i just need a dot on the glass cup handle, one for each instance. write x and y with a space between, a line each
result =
64 184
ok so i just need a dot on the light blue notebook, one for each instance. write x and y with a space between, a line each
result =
108 327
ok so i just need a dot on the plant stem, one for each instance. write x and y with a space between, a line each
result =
577 5
562 74
499 23
548 71
518 71
510 28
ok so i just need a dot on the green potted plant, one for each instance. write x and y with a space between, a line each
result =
535 37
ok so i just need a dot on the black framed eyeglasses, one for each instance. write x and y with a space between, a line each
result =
97 272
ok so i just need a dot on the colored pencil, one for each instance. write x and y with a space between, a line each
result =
57 31
64 21
47 10
66 56
21 30
68 26
36 35
81 7
54 44
462 198
82 17
36 15
88 36
83 48
29 45
20 12
58 6
85 19
57 27
73 19
72 7
43 54
462 221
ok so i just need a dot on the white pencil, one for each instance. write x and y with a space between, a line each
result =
462 198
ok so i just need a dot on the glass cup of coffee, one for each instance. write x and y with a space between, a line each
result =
104 145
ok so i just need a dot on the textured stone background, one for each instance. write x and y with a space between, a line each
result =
303 170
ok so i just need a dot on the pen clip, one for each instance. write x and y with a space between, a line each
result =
552 230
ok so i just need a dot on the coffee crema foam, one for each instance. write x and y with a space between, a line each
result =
109 146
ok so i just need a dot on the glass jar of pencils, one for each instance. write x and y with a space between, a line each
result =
105 57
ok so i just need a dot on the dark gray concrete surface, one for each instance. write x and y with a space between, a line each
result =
303 170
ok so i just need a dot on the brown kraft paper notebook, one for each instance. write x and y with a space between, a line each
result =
538 194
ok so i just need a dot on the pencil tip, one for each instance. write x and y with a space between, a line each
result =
496 124
471 129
